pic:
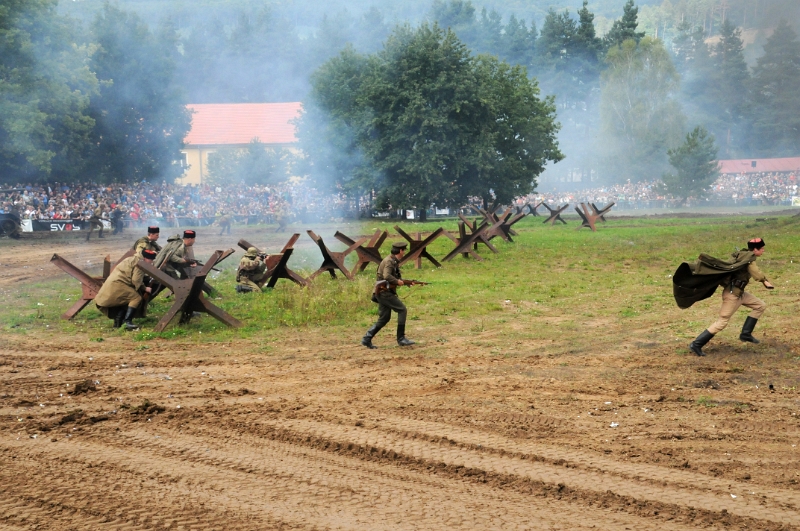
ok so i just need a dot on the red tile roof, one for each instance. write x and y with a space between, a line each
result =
761 165
216 124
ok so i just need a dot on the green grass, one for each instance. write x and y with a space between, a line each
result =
553 275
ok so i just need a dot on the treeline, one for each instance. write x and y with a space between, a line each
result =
104 98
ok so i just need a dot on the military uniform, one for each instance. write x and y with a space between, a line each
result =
251 271
388 301
734 296
94 221
176 257
281 216
145 243
120 294
224 223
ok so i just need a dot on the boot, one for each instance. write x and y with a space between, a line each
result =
129 319
100 235
747 331
700 341
119 317
402 340
243 289
367 339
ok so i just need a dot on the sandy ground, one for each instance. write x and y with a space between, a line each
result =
308 430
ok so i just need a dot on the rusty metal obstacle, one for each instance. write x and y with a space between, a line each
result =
367 254
467 244
89 285
277 267
418 247
188 293
555 214
333 261
590 214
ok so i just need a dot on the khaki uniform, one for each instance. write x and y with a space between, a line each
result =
224 224
282 217
145 243
122 286
175 255
734 296
251 271
389 270
94 221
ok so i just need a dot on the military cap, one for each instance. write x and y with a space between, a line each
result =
755 243
398 246
189 234
251 252
153 229
147 253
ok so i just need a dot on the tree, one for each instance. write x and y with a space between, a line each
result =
141 118
696 164
255 165
727 88
640 120
518 42
45 86
625 28
587 44
776 106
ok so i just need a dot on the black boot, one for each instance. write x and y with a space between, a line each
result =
100 235
700 341
119 316
240 288
129 319
367 339
402 340
747 331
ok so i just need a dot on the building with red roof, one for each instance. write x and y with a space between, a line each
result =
739 166
217 126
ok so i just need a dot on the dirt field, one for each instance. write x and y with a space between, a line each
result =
311 431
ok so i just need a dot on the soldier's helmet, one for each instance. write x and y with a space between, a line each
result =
252 252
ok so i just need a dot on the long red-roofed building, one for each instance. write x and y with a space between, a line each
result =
738 166
217 126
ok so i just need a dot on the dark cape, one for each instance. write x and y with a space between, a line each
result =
694 282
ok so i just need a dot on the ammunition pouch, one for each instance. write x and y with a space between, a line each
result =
741 284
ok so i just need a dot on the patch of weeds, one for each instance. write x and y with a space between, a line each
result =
97 339
141 347
145 336
478 327
628 312
706 401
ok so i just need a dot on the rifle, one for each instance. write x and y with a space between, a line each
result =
383 285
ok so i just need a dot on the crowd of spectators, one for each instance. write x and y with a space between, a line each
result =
176 205
764 188
169 204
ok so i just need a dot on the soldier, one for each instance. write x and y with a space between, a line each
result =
734 296
282 216
387 300
148 242
224 223
94 221
116 219
176 256
120 295
251 270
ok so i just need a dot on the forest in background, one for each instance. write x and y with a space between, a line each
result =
134 64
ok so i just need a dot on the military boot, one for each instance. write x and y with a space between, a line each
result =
402 340
367 339
747 331
700 341
119 317
243 289
129 319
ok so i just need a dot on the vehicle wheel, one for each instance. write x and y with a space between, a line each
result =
8 227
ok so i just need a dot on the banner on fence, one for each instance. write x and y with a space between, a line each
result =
58 225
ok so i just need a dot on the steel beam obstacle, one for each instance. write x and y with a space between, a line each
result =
89 285
467 244
188 293
418 247
367 254
277 264
555 214
590 214
333 261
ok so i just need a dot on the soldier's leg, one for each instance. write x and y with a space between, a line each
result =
730 303
394 302
130 311
100 226
246 285
757 306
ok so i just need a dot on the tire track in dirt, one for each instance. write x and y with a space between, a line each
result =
260 483
642 487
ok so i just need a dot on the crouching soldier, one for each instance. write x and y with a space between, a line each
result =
251 270
149 241
121 293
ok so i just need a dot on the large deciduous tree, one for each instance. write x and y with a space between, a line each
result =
640 120
45 86
776 105
696 165
141 118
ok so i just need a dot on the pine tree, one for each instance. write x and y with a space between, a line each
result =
696 164
625 28
776 81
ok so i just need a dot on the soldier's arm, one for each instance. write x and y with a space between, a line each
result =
138 279
248 265
758 275
385 272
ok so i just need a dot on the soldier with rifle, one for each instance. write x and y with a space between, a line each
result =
385 294
95 221
176 257
252 269
149 241
121 293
